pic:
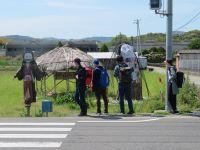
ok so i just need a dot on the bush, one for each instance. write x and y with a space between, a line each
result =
68 98
188 97
150 105
155 58
73 106
185 108
64 98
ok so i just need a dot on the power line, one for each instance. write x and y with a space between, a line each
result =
190 21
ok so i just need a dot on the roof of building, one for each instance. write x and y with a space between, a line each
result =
62 58
189 52
103 55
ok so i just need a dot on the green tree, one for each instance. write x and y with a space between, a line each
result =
121 38
3 42
195 44
153 50
145 52
60 44
104 48
161 50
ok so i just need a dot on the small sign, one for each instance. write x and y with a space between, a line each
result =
63 75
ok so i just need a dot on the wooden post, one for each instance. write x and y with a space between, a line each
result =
66 86
54 85
41 87
36 84
28 111
45 87
46 114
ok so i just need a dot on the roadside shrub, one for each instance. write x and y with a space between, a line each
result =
68 98
149 105
64 98
155 58
188 97
73 106
185 108
39 113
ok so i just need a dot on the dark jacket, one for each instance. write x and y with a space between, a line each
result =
37 73
172 79
81 81
28 73
96 78
117 72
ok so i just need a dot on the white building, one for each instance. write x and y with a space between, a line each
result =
189 61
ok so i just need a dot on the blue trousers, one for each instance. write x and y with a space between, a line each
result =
125 92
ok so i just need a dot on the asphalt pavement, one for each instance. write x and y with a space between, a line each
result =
101 133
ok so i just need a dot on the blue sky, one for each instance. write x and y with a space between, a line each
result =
86 18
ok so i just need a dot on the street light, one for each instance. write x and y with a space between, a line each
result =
155 4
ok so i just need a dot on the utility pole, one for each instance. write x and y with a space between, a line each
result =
120 38
168 46
137 22
156 5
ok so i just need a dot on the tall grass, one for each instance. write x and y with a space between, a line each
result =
12 103
9 63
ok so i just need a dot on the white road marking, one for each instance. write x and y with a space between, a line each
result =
33 136
31 144
42 127
181 117
35 129
125 121
37 124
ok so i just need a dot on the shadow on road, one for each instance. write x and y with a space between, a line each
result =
111 116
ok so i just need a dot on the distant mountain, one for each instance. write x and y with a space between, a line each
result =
27 39
18 38
99 39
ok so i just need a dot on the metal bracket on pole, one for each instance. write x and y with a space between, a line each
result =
164 13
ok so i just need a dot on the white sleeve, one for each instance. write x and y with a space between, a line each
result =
169 76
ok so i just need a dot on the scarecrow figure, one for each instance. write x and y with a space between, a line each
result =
28 72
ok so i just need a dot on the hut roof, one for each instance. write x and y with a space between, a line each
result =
62 58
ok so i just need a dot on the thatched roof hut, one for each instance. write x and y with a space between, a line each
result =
61 58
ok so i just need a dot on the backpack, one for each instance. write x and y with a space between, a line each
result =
104 78
125 76
180 79
88 76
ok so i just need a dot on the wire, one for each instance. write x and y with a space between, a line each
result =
190 21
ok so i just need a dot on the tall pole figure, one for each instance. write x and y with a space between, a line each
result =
168 46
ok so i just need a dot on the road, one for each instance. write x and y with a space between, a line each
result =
193 79
100 133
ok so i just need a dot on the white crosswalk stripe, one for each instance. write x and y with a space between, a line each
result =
39 136
30 144
33 135
35 129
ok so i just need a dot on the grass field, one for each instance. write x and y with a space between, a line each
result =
9 63
11 96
